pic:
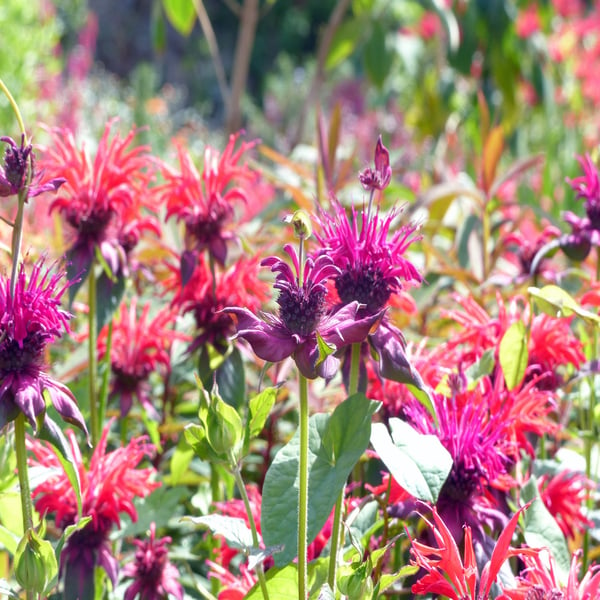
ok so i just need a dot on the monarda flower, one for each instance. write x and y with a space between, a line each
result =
98 195
140 346
30 321
205 202
303 322
205 296
108 488
154 576
456 577
379 177
372 268
14 176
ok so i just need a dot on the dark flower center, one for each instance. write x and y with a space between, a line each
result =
301 309
13 358
208 226
130 375
150 563
365 284
462 483
92 224
592 208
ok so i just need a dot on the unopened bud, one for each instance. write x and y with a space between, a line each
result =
35 562
300 221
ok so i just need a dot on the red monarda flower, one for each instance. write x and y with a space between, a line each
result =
98 195
205 296
205 202
108 488
30 321
140 346
155 577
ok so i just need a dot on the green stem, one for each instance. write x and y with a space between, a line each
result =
303 492
102 400
255 542
17 239
13 105
22 470
93 353
336 528
485 241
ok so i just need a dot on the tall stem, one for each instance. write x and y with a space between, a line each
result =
242 488
336 528
22 471
303 492
92 353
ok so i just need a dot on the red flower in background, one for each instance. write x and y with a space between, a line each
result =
205 296
108 488
155 577
140 346
564 495
205 201
99 195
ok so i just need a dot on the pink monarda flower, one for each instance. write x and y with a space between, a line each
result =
29 321
303 318
540 579
14 171
108 488
155 577
205 202
205 296
140 346
98 195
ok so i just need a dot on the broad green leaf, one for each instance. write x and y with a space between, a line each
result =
542 530
484 366
52 433
260 407
231 379
344 42
387 579
513 354
557 302
234 530
418 462
180 460
336 443
8 539
181 15
377 57
109 293
424 397
471 224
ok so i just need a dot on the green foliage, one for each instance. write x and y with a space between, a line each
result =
513 354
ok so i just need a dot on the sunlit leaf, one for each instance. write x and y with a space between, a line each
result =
513 354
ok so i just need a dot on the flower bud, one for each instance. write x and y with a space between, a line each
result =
35 562
576 247
355 582
300 221
224 428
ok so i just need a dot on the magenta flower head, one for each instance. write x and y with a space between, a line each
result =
29 321
380 177
303 319
13 172
155 577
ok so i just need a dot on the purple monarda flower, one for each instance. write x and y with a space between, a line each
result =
155 577
303 318
13 172
29 321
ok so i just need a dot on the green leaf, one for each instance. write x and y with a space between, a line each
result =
109 292
260 407
324 348
418 462
542 530
557 302
231 379
180 460
484 366
158 28
344 42
387 579
181 15
513 354
377 57
336 443
52 433
234 530
8 539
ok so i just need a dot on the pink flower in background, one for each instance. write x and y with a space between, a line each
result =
379 177
205 201
97 198
528 21
154 576
108 488
29 322
140 346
